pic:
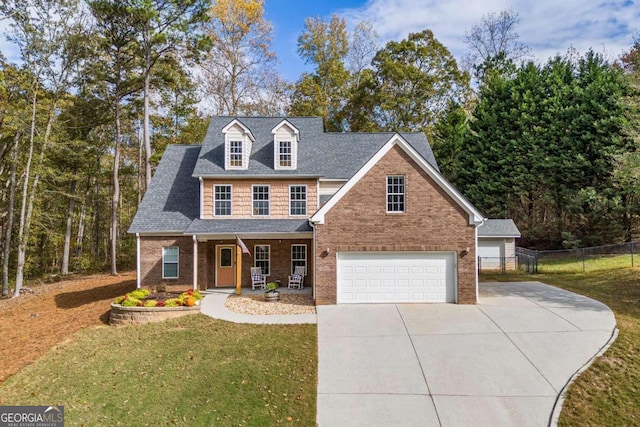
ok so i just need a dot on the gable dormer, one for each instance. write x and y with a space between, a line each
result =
238 141
285 146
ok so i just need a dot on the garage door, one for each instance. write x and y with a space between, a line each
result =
490 253
379 277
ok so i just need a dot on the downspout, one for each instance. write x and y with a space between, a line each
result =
195 262
315 262
138 261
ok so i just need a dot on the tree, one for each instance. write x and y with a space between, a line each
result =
47 33
165 27
239 70
323 92
416 81
542 148
117 41
493 45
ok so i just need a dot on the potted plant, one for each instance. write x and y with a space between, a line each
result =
271 293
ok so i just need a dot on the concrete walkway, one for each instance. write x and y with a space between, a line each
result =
213 305
502 362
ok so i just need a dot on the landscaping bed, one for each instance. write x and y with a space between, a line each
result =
257 305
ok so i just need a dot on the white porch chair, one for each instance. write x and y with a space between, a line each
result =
258 280
296 280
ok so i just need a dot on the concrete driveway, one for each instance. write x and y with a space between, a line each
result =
502 362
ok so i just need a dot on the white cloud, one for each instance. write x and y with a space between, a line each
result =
546 26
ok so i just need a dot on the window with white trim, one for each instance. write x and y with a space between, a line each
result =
285 154
222 200
235 153
170 257
260 200
299 257
395 193
297 200
261 256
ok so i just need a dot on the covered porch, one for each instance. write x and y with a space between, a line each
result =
276 246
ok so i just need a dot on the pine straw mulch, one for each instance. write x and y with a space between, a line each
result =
46 314
256 304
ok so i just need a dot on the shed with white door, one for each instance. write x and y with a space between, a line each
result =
497 244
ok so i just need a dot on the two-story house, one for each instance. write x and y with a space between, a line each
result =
368 215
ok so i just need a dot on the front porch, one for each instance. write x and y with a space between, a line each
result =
222 265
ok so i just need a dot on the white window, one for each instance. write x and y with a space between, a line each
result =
235 153
260 200
261 256
222 200
299 257
285 146
395 193
297 200
284 154
170 256
238 141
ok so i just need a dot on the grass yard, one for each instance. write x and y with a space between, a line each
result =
189 371
608 393
591 263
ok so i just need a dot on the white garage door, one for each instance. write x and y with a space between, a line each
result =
379 277
490 253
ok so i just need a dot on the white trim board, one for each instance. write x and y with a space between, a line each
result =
475 217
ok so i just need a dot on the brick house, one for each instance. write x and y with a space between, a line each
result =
368 215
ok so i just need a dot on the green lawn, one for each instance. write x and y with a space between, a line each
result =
608 393
590 264
191 371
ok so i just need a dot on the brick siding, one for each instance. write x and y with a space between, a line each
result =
151 260
359 222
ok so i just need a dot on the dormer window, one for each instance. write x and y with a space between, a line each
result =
235 153
285 146
284 158
238 141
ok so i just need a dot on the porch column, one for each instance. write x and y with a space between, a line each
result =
238 269
195 262
138 280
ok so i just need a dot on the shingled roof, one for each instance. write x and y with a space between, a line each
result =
172 201
498 228
320 154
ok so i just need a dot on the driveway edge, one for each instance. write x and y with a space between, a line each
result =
557 406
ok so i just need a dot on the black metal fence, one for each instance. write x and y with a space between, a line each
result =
607 257
502 264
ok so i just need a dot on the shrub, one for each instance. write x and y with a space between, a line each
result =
173 302
151 303
131 302
160 304
139 293
120 299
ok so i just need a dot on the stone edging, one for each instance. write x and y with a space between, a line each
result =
137 315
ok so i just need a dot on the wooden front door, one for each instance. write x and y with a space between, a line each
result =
225 265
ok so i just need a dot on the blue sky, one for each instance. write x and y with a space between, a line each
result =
546 26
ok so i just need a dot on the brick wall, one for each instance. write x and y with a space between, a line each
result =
432 222
280 260
151 260
242 197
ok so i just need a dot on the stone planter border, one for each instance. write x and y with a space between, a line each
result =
137 315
